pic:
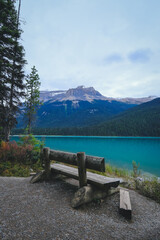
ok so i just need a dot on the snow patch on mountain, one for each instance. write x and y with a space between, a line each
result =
86 94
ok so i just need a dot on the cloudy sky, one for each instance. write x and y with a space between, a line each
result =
112 45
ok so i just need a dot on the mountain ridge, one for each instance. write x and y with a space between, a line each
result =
87 94
141 120
75 107
78 107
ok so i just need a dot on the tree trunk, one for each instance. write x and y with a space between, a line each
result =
8 128
29 129
29 124
19 8
14 59
7 132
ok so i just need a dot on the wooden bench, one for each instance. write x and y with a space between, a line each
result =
99 185
83 162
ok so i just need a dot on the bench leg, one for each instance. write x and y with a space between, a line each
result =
46 152
89 193
82 169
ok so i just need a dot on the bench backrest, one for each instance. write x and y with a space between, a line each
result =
91 162
79 159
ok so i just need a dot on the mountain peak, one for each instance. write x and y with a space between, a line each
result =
83 94
80 93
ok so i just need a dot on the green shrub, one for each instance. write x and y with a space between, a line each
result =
136 172
31 140
150 188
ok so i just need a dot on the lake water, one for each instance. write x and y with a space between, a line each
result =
118 151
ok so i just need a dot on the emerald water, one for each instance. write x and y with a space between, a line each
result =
118 151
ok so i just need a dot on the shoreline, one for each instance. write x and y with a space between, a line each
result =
88 136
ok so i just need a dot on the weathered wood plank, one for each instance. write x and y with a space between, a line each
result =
92 178
65 170
81 169
94 163
125 204
46 152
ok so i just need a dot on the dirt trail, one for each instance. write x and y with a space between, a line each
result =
42 211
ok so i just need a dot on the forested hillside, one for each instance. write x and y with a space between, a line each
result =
78 107
142 120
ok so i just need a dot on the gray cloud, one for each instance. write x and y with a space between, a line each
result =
113 58
140 56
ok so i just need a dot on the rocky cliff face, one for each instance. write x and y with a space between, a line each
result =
86 94
80 93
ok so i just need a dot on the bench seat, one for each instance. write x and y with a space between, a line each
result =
92 178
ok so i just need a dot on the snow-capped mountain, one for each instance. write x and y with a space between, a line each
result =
86 94
74 94
78 107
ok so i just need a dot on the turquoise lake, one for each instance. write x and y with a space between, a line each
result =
118 151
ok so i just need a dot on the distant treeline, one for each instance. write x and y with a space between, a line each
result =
142 120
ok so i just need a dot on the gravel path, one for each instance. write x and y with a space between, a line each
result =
42 211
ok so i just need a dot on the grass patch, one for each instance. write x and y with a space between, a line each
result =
9 169
17 170
118 172
111 171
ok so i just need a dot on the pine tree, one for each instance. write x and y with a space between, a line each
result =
11 65
32 97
